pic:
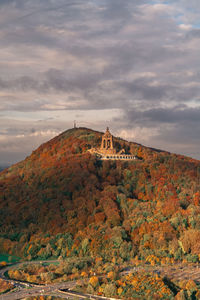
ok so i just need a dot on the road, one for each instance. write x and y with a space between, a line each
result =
23 290
51 290
178 271
29 289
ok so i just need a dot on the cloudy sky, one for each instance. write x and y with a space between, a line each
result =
133 65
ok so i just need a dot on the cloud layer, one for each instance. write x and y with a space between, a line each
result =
138 60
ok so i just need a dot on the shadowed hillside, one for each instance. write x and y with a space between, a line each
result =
62 201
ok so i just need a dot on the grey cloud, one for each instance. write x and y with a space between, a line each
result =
19 138
15 103
92 55
195 33
179 139
118 11
141 89
58 80
96 90
8 2
11 157
176 115
53 79
173 129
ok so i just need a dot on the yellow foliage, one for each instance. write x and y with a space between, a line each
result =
94 281
185 261
120 290
98 259
84 274
5 286
191 285
128 276
111 275
180 295
148 292
114 260
152 259
182 284
119 282
165 290
172 260
163 261
15 274
134 282
135 261
101 289
198 295
157 277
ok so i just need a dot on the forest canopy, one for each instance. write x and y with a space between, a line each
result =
61 201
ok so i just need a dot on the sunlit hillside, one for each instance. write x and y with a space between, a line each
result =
62 201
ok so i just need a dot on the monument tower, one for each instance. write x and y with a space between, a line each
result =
106 151
107 143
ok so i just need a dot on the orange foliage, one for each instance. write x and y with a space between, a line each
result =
94 281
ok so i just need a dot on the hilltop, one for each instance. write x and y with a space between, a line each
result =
62 201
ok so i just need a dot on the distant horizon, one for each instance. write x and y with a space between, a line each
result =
4 164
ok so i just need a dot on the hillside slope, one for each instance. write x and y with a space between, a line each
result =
61 201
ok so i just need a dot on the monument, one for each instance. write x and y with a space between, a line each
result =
107 150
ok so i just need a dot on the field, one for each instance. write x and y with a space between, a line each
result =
8 258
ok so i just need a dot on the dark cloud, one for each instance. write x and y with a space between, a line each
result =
131 56
195 33
156 116
8 2
141 89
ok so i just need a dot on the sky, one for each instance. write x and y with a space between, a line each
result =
132 65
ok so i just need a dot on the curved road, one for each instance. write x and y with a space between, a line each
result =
176 271
29 289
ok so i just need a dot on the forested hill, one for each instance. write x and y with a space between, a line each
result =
62 201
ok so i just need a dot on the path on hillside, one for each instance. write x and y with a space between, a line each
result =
181 272
174 272
23 289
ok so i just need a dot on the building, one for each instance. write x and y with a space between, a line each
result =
107 150
107 143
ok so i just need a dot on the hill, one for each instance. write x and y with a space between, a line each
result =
62 201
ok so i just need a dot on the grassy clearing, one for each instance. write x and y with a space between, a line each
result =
8 258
